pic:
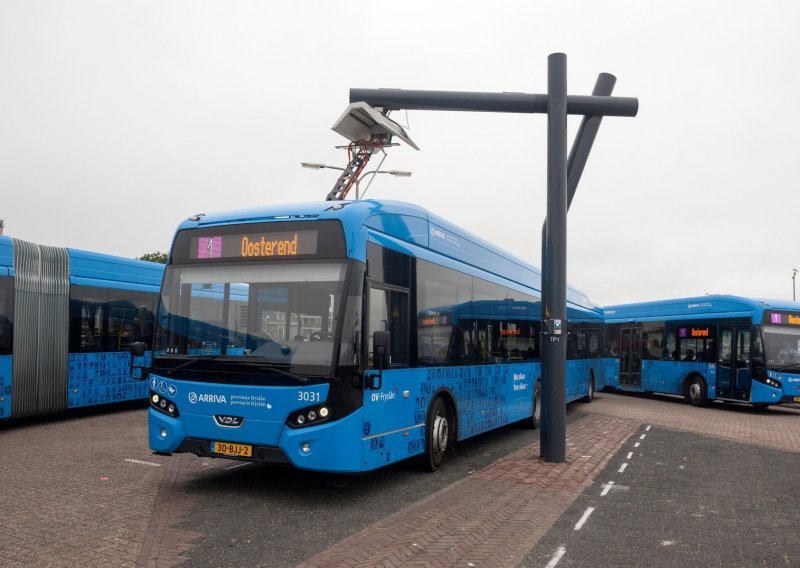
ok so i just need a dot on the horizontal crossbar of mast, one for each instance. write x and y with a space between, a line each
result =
401 99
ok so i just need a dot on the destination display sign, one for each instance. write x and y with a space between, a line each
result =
782 318
689 332
281 240
255 245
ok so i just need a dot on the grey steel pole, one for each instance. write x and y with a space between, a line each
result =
554 346
578 156
395 99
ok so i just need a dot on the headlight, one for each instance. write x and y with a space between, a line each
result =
309 416
163 405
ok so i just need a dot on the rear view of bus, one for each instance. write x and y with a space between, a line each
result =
255 342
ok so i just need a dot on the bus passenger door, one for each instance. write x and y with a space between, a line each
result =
733 369
630 357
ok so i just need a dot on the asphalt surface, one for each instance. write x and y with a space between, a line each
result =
682 500
263 515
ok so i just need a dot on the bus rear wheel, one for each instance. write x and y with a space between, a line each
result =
536 415
696 391
438 435
590 395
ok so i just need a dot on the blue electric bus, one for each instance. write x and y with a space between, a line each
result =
67 319
708 348
345 336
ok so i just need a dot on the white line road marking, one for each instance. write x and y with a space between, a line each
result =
622 468
630 455
584 518
636 445
643 436
556 558
606 488
239 465
142 462
647 429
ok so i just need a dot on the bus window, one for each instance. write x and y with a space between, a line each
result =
725 348
88 325
388 311
653 343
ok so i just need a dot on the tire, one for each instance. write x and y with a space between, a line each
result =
438 435
761 405
536 418
590 397
696 390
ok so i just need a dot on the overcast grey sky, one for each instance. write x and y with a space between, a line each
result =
120 119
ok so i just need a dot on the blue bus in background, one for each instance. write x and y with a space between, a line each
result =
346 336
67 319
708 348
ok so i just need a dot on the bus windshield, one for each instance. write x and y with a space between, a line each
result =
782 346
279 314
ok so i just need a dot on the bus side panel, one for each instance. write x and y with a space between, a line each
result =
578 373
486 397
100 378
668 376
611 373
5 386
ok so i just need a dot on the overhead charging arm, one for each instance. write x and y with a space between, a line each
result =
368 130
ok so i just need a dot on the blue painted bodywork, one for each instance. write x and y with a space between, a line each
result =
669 377
389 426
102 378
5 386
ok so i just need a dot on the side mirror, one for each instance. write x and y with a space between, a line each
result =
381 350
138 372
381 356
138 348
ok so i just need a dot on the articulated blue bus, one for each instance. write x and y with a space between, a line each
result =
67 319
345 336
708 348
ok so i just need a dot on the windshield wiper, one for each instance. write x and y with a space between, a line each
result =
787 366
255 364
192 361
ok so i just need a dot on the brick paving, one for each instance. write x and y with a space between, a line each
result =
68 497
491 518
776 427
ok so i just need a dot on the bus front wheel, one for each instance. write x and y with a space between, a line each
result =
438 435
696 391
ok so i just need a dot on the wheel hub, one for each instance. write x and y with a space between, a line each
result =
440 433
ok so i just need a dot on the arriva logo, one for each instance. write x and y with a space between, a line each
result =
194 398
